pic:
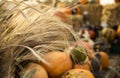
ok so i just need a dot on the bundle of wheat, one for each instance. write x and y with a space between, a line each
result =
28 34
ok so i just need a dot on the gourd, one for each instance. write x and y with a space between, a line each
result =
78 73
59 62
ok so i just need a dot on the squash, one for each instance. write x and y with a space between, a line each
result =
104 60
59 63
83 1
109 34
71 10
33 70
78 73
85 66
100 61
118 31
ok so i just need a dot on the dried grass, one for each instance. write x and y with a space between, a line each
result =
27 34
111 11
94 11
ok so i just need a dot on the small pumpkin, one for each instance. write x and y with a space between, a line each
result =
100 61
85 66
33 70
78 73
83 1
59 63
104 60
118 31
71 10
109 34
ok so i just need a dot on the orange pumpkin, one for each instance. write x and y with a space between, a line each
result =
33 70
85 66
71 10
83 1
104 59
59 63
100 61
78 73
118 31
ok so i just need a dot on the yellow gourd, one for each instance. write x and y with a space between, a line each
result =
33 70
78 73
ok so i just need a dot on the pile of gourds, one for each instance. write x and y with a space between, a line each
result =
74 62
